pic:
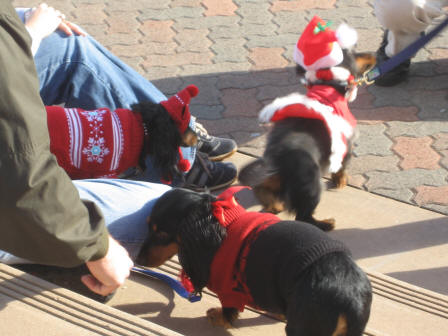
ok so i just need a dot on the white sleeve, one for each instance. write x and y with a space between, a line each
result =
23 14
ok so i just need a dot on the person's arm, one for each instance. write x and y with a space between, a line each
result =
43 218
405 20
43 20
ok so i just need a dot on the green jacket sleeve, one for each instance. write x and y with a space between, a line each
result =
42 216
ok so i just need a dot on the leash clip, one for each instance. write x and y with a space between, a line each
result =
368 77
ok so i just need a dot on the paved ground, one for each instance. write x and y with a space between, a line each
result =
239 54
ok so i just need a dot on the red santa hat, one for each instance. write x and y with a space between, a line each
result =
178 106
320 47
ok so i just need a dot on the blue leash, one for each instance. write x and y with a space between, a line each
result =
174 284
370 76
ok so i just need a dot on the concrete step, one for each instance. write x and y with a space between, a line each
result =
399 308
32 306
385 236
147 306
401 247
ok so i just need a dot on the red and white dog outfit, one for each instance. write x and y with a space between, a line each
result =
97 143
321 102
319 51
105 143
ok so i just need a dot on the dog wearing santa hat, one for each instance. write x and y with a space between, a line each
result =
312 134
104 143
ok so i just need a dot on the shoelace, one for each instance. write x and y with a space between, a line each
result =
202 132
203 164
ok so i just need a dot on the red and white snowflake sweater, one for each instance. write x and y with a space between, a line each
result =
97 143
321 102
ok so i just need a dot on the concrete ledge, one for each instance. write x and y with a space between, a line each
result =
403 309
36 307
400 246
409 295
399 309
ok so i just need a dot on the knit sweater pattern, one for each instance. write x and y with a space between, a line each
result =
96 143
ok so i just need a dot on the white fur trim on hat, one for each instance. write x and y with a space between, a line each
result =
335 57
339 74
347 36
269 110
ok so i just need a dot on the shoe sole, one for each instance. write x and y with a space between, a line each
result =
222 156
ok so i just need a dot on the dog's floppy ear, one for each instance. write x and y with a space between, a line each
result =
163 138
186 216
200 236
300 71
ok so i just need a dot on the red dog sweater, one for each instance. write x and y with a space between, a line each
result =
227 269
97 143
105 143
321 102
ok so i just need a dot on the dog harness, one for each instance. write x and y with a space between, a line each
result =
96 143
321 102
227 270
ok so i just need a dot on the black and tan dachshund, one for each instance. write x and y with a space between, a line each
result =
288 268
312 134
104 143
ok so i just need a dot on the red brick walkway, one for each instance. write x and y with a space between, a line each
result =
239 53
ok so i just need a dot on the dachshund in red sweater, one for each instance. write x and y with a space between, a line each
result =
105 143
288 268
312 134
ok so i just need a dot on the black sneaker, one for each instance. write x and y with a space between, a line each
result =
216 148
207 175
397 74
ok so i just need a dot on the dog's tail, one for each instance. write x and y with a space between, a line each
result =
333 298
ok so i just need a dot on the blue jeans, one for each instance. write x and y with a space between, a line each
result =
125 204
77 71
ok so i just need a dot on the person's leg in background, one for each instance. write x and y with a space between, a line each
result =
404 22
77 71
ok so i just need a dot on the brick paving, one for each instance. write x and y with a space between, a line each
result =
239 54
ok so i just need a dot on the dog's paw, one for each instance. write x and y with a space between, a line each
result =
326 224
279 317
339 179
216 318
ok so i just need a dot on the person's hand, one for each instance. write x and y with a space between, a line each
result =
109 272
44 20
